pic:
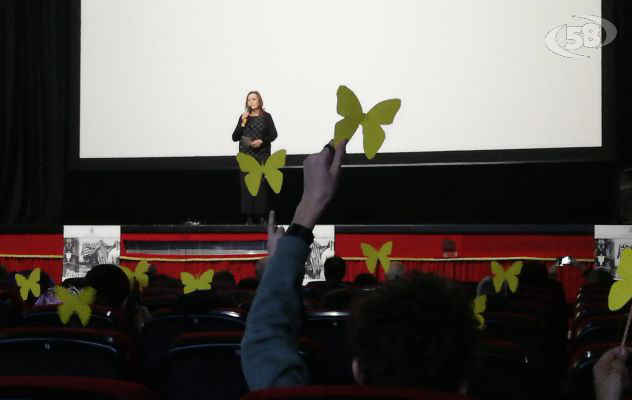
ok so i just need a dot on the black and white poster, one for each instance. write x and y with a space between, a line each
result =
610 241
87 246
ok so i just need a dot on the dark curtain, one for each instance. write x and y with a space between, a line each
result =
34 103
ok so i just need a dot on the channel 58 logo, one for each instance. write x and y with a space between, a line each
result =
588 35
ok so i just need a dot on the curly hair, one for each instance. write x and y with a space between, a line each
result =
414 332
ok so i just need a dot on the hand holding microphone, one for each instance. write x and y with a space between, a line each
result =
244 118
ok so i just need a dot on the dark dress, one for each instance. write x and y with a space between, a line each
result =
259 127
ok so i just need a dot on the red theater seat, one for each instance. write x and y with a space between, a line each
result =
71 388
67 351
350 392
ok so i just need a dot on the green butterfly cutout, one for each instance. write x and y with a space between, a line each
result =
192 284
30 284
71 304
373 256
383 113
270 169
480 304
139 274
509 275
621 291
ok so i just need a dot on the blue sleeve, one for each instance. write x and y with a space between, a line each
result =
269 350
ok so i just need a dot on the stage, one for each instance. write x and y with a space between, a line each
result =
460 252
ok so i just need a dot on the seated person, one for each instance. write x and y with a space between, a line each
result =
113 290
425 342
396 271
365 280
335 269
223 280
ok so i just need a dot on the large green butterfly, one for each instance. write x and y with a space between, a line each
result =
71 304
383 113
270 169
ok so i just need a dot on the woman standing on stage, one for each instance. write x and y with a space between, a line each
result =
255 131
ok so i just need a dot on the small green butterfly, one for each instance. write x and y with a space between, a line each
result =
192 284
30 284
374 255
509 275
139 274
71 304
383 113
270 169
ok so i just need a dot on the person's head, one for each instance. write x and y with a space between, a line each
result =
395 271
600 276
260 267
365 280
335 269
413 332
534 273
224 280
254 101
3 274
111 284
248 284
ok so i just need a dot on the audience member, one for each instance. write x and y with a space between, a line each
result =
113 290
202 301
432 319
335 269
365 280
4 275
599 277
223 280
396 271
248 284
418 343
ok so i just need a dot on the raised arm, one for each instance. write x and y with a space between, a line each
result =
269 350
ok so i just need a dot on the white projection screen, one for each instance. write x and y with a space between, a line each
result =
168 78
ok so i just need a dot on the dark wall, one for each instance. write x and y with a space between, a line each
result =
551 193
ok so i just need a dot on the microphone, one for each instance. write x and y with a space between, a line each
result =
244 121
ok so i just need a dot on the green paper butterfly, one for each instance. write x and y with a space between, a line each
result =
621 291
479 305
30 284
71 304
509 275
139 274
374 255
192 284
349 107
270 169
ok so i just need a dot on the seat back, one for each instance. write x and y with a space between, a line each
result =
11 307
158 334
102 318
71 388
341 392
329 329
500 371
67 351
199 364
